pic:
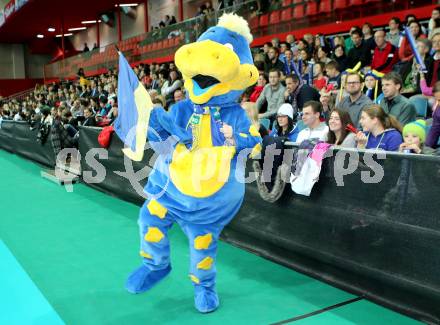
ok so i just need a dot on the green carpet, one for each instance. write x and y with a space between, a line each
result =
79 247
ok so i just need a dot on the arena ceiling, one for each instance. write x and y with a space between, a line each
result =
36 16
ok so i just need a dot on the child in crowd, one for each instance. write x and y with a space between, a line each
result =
414 135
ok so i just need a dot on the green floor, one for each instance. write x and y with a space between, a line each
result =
78 248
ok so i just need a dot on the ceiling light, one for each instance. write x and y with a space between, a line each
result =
76 28
127 5
51 29
88 22
65 35
40 36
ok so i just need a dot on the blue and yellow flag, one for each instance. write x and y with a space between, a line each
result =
134 109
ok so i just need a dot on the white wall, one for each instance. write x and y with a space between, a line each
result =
158 9
12 61
109 35
35 65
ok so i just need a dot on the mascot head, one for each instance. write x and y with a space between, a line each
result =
219 66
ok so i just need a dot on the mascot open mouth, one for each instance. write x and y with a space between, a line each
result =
203 83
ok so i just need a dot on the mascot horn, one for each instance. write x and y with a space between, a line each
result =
196 180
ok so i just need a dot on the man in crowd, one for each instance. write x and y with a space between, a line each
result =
273 62
393 36
333 74
315 129
272 94
394 103
356 100
298 93
360 51
385 54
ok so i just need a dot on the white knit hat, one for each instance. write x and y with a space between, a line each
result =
286 110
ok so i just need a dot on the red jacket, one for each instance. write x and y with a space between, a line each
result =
384 60
256 93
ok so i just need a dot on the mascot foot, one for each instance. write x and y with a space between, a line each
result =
143 279
205 299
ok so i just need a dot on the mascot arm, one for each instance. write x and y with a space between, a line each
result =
246 135
164 133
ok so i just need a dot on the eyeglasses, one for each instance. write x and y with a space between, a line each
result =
351 83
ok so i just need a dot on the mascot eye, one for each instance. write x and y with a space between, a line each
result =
229 46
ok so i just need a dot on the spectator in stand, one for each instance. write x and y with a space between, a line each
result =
297 93
283 47
290 39
288 62
89 117
315 129
163 81
334 74
410 70
367 30
433 139
274 62
338 40
275 42
393 36
252 112
272 94
303 45
381 131
360 51
338 133
372 82
86 48
395 104
385 54
319 80
258 89
322 55
356 101
435 64
178 95
340 57
327 100
348 41
174 83
414 136
435 14
285 126
405 51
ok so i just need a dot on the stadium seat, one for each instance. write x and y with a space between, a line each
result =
340 4
286 14
264 20
325 6
286 3
274 17
298 12
265 122
356 2
253 24
312 8
421 105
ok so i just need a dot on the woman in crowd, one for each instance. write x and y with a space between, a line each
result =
262 81
405 51
285 127
381 131
433 138
340 57
338 133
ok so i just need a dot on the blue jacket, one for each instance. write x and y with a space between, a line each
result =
290 137
389 140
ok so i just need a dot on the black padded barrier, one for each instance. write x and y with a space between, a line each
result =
378 240
19 138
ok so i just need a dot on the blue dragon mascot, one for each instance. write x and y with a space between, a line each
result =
196 180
